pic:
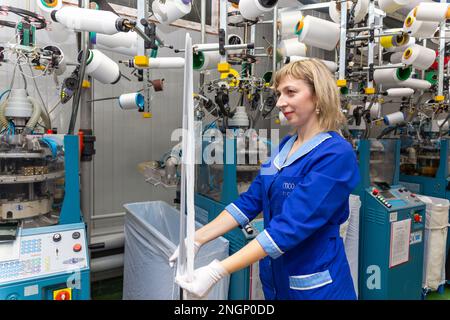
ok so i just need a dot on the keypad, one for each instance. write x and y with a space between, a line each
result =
30 246
14 269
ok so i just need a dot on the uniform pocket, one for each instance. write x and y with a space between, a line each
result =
328 253
310 281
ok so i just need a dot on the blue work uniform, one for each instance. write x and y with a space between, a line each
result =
304 199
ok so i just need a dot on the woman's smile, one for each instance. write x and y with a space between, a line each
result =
288 114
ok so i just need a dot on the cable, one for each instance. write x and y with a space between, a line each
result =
54 107
3 93
24 80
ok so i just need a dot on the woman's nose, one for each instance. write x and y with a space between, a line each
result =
281 103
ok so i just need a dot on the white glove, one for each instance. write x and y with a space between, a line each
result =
204 279
174 257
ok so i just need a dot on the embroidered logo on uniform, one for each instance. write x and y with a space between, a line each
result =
288 186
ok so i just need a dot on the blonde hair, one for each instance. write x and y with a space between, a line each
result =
323 86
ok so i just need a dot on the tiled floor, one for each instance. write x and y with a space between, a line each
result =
437 296
111 289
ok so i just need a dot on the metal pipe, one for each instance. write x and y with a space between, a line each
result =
107 242
265 22
376 36
108 216
397 65
86 176
371 46
142 14
441 56
223 24
77 97
275 40
363 28
202 36
203 21
215 47
343 41
253 40
141 34
380 48
107 263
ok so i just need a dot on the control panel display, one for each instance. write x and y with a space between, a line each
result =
43 254
395 198
387 195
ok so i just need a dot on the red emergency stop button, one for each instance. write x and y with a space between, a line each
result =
417 217
62 294
77 247
375 192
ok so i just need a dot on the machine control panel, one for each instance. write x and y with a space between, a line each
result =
396 198
43 254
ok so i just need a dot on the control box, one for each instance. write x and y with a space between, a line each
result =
391 244
42 261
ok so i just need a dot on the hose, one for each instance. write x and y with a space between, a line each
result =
35 116
3 121
43 115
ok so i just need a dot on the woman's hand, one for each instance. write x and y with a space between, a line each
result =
204 279
174 257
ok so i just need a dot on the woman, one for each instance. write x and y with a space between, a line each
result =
303 191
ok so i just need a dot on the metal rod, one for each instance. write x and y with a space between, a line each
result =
203 21
223 24
107 242
107 216
203 36
380 48
376 36
142 14
315 6
391 66
265 22
76 98
363 28
275 40
441 56
253 40
343 41
86 167
227 47
107 263
371 46
142 34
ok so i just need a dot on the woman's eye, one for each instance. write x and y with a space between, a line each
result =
291 91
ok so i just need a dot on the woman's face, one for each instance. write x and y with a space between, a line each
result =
296 101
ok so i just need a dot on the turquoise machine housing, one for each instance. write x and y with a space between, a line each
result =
387 206
240 284
47 259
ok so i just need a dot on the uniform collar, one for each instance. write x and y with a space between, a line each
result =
281 160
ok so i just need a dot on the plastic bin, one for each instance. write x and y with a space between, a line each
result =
151 236
435 241
349 232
